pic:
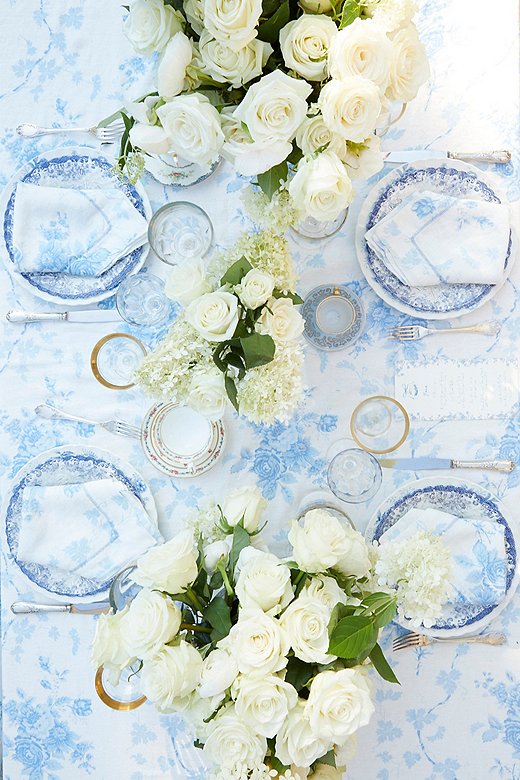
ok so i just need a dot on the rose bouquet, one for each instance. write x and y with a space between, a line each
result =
268 659
291 93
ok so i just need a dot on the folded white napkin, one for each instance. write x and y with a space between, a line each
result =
432 239
73 231
92 529
477 547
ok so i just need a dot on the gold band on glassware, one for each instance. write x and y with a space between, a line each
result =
406 424
114 703
94 359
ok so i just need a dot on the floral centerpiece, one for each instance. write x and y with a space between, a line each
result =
268 659
291 93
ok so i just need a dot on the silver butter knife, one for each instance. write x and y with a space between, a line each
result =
418 464
412 155
87 315
30 607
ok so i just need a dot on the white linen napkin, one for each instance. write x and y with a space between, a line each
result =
92 529
477 547
432 239
73 231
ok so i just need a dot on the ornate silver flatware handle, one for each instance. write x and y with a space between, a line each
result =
29 607
484 639
35 316
31 131
498 156
491 465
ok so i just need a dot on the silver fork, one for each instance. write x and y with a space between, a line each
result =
419 640
414 332
112 426
106 135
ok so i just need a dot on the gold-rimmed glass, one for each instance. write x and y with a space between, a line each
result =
379 424
115 358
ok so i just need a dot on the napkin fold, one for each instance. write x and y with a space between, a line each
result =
477 547
91 529
432 239
73 231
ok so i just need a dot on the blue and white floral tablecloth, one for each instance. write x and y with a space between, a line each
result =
457 711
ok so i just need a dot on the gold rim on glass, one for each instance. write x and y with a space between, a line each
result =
114 704
94 359
405 417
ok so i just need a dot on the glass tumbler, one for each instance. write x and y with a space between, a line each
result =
179 232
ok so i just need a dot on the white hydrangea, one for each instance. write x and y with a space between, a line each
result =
205 523
266 250
390 14
271 392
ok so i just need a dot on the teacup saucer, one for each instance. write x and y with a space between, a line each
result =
334 317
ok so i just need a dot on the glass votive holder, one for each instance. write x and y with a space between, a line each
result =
316 229
354 476
180 232
141 301
379 424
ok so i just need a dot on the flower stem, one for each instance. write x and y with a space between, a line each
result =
298 579
225 579
195 599
193 627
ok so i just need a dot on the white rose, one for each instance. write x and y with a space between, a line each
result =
142 110
255 288
171 675
108 649
274 107
187 282
258 643
150 24
321 187
363 160
197 711
232 21
193 11
250 157
356 560
207 394
326 772
306 622
231 742
391 14
305 43
152 620
193 126
313 134
236 66
320 543
264 702
316 6
361 49
171 567
263 581
245 505
409 66
218 672
174 61
339 704
150 138
216 551
296 743
350 107
281 320
214 315
345 753
326 590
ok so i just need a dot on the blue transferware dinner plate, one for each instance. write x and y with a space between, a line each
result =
333 316
462 499
443 301
60 466
73 167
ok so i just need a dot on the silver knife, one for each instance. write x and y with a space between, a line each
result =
418 464
87 315
412 155
30 607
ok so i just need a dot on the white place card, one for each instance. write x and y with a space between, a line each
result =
444 389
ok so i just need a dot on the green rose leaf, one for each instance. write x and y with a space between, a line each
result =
235 273
241 539
383 606
269 30
218 616
298 673
381 665
269 182
231 390
329 759
294 297
354 636
351 10
258 349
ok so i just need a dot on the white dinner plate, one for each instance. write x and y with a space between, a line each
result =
72 167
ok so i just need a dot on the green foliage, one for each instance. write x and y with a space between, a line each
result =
298 673
241 539
236 272
270 29
350 11
381 665
231 390
353 637
217 614
382 605
294 297
329 759
258 349
269 182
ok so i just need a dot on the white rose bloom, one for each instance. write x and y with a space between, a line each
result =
245 505
218 673
316 6
193 126
171 566
232 21
108 648
321 187
264 702
296 743
150 138
171 675
258 643
320 543
313 134
236 66
305 43
152 620
326 590
363 160
193 11
274 107
339 704
150 24
187 282
143 110
231 742
173 63
263 581
306 622
255 288
207 393
361 49
216 551
281 320
391 14
214 315
409 66
356 560
350 107
249 157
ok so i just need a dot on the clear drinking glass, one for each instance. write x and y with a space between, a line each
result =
180 231
313 228
141 300
379 424
354 476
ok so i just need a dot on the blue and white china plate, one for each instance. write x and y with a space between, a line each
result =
72 167
443 301
462 499
334 317
60 466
